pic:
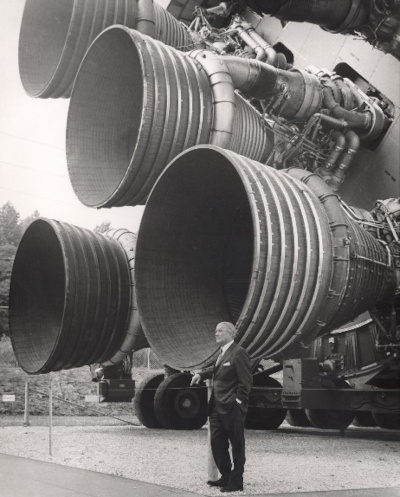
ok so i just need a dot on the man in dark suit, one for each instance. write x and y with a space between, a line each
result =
227 408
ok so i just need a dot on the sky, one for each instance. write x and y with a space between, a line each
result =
33 167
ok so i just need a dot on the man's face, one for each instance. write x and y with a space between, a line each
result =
222 336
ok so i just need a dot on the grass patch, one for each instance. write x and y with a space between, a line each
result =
69 384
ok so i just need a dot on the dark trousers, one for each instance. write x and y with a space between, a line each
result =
227 428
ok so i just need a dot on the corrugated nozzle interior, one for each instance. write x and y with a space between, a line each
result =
37 297
44 30
104 117
193 257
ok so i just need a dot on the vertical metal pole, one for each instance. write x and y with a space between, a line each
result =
148 358
26 412
212 469
50 418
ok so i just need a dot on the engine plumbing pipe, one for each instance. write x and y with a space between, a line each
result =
145 22
271 54
360 121
339 139
224 238
222 9
55 34
259 80
351 148
262 49
249 40
72 298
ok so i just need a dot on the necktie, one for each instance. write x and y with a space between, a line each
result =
219 357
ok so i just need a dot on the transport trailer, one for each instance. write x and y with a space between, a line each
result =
342 378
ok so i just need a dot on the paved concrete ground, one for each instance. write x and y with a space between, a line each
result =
21 477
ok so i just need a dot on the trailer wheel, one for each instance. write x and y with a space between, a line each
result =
330 419
297 417
179 406
364 419
259 417
144 400
388 420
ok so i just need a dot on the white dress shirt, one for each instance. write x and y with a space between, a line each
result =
224 348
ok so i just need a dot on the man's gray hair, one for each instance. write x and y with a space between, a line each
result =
229 327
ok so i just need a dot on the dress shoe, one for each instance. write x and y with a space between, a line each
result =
231 488
222 482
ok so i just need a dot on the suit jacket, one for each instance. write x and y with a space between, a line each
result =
232 379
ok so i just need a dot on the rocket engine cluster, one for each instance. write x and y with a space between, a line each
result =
238 157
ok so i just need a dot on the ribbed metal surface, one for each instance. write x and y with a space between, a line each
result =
134 338
359 261
55 34
130 115
226 238
367 270
69 297
170 31
291 261
250 137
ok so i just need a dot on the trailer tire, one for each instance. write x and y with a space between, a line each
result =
178 406
364 419
144 400
259 417
298 417
330 419
387 420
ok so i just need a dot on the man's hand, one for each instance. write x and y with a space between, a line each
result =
195 380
